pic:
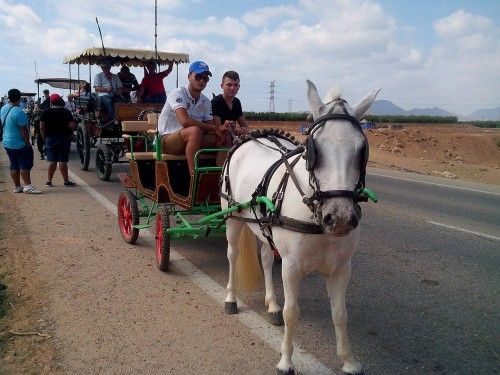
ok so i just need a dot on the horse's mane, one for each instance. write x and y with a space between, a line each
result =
332 94
262 133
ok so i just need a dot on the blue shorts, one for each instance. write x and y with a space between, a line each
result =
21 159
57 149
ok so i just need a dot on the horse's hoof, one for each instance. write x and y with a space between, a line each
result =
275 318
289 372
354 373
230 308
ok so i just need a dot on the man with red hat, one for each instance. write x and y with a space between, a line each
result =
56 127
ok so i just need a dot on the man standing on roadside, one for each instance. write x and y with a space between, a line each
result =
16 143
45 104
185 123
56 126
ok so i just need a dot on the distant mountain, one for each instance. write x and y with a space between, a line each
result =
386 107
434 111
492 114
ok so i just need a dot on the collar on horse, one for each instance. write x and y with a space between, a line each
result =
307 150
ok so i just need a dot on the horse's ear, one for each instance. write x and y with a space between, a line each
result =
315 102
359 109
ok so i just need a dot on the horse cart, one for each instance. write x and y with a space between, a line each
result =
299 198
159 187
94 129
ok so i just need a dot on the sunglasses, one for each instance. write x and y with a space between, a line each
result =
200 77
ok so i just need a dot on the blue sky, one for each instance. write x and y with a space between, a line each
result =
421 53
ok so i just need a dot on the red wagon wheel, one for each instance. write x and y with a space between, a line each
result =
162 237
128 216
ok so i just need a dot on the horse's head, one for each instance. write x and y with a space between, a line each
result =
336 155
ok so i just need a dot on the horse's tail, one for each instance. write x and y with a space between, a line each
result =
248 271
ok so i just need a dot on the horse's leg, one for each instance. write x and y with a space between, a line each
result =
233 230
336 286
273 309
291 281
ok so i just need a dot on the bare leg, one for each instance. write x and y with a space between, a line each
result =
336 286
15 178
233 231
63 167
51 170
25 175
192 138
291 281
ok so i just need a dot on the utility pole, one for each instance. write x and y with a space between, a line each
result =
271 96
289 105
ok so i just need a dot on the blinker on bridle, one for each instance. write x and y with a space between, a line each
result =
310 156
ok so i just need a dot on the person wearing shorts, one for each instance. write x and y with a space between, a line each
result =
186 123
56 126
16 143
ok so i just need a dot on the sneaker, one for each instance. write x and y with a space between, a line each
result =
48 183
18 189
30 189
69 183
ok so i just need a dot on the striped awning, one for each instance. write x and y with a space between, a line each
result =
124 56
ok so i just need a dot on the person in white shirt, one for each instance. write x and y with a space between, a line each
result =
186 123
107 85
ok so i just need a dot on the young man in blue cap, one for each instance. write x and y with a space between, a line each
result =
186 123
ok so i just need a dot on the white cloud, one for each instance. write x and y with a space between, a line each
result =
461 23
262 16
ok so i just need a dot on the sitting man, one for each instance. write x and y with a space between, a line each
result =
107 85
83 91
185 123
226 107
128 81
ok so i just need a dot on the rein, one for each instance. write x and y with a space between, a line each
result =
289 158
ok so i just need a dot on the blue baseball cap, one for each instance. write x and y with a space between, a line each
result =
199 67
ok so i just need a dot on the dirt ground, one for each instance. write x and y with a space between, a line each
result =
455 152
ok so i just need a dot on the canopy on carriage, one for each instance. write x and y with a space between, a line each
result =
60 83
124 56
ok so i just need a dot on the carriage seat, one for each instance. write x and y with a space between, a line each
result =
137 126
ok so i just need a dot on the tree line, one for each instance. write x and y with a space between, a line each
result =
401 119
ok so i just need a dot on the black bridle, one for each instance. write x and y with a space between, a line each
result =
310 152
289 158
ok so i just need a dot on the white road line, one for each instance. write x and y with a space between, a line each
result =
435 184
305 363
464 230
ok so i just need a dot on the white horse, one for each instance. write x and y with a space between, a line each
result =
325 175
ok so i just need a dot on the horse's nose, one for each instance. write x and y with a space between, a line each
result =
328 220
354 221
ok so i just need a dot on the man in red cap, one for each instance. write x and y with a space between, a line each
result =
56 127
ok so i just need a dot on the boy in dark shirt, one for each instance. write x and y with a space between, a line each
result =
226 107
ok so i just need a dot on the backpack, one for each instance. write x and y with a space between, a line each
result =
2 122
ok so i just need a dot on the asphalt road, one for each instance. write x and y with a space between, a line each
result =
423 297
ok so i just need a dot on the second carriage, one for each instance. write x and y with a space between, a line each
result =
106 135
